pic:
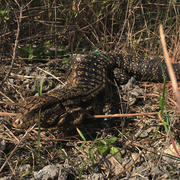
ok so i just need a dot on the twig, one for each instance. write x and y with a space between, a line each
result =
125 115
170 68
8 114
15 45
173 80
12 152
6 97
51 75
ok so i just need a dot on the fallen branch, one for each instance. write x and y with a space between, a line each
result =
125 115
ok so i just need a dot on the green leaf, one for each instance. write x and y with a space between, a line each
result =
111 140
103 150
41 87
80 133
25 173
114 150
3 12
91 155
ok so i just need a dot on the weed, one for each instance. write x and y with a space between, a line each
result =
102 146
39 121
163 114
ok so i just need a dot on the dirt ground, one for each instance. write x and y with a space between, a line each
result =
131 147
37 39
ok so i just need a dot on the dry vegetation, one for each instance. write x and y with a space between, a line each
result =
34 33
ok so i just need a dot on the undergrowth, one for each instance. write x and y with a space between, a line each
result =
130 27
53 30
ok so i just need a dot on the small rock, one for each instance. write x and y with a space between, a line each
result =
65 172
129 85
62 172
131 91
48 172
6 178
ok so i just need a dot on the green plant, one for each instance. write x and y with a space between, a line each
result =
102 146
5 15
29 50
39 119
163 114
106 146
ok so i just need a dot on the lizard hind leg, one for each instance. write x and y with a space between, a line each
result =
50 117
74 116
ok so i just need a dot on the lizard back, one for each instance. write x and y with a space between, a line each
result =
87 78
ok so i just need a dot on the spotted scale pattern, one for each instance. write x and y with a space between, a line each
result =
87 78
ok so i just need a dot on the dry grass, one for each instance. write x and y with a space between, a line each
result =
56 29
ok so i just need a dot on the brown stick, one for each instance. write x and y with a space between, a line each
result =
125 115
12 152
170 68
15 46
8 114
